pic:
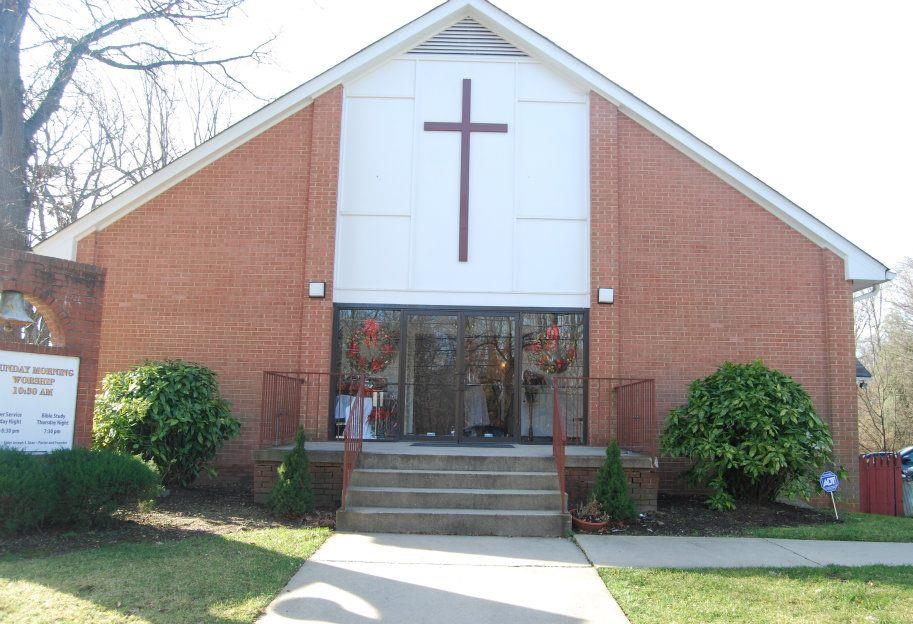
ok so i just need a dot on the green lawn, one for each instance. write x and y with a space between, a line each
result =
831 595
210 578
855 527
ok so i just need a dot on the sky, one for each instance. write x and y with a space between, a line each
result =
814 97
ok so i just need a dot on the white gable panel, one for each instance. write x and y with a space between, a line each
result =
550 255
538 84
394 79
538 168
552 152
377 141
371 261
440 86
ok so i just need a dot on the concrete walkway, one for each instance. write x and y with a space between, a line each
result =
445 580
737 552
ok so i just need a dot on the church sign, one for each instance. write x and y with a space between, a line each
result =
38 408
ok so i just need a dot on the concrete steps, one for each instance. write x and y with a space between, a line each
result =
491 479
457 494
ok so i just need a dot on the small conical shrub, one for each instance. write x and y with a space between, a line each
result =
611 489
292 495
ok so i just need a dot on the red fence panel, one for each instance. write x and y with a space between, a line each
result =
880 485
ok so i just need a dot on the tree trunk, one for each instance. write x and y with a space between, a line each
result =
14 152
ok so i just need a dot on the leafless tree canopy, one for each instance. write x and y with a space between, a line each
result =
70 136
884 335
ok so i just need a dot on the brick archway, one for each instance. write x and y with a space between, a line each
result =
68 295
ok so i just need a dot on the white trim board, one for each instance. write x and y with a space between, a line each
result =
860 267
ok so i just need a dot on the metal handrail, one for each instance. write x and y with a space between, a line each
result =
353 438
559 443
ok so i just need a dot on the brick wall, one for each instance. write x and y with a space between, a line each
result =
704 275
643 484
215 269
68 295
326 481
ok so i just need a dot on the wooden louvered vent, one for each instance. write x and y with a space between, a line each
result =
467 37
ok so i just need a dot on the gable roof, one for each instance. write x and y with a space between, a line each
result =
860 267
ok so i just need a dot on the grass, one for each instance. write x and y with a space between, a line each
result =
855 527
829 595
206 578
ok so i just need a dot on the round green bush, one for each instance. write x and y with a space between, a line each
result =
751 433
91 485
27 492
169 413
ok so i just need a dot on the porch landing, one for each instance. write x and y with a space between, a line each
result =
577 456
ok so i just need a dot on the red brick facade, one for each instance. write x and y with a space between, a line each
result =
215 269
701 274
704 275
68 295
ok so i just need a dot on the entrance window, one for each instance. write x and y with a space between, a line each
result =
431 389
368 343
553 346
461 374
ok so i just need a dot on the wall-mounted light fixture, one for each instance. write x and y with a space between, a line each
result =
606 295
317 290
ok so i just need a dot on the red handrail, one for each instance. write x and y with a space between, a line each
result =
559 442
353 437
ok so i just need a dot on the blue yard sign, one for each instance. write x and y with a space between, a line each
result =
829 483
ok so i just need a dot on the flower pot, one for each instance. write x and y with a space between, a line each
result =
585 526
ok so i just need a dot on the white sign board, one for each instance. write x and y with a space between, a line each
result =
37 401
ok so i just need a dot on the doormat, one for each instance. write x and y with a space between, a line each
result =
480 444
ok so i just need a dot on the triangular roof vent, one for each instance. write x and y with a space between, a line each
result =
467 37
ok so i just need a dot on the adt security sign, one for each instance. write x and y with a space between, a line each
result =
829 483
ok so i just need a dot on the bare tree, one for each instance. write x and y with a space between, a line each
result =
884 331
145 36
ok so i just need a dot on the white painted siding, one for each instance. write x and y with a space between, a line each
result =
397 231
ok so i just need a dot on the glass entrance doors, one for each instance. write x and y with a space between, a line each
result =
488 375
460 376
431 375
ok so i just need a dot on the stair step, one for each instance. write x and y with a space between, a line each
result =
457 498
483 479
499 463
453 521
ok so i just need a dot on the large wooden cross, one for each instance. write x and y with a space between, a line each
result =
464 127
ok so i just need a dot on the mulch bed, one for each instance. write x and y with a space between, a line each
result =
679 515
178 515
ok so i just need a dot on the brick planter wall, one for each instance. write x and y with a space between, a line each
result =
326 476
643 481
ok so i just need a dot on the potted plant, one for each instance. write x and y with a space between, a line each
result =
589 518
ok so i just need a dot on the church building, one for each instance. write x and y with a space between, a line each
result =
488 232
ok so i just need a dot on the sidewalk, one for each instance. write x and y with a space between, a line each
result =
364 578
737 552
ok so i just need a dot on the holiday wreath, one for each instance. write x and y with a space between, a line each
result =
370 347
549 354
